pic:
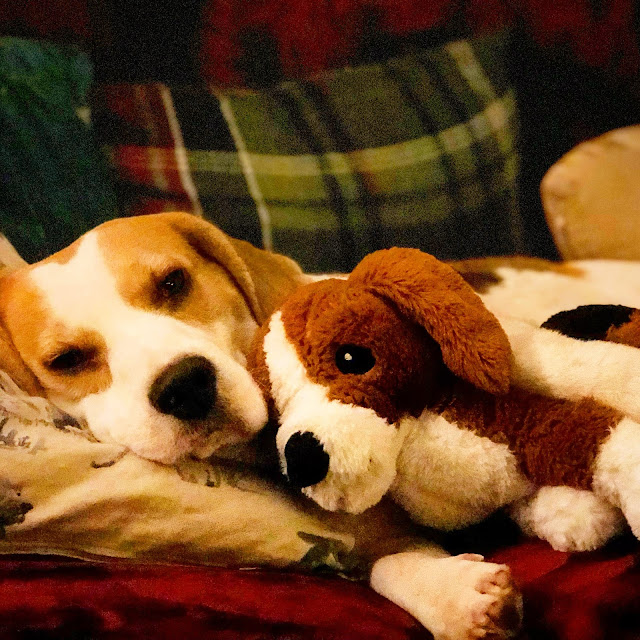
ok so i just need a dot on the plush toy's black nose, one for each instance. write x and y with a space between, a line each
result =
307 461
185 389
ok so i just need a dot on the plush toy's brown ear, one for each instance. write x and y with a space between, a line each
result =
264 278
473 344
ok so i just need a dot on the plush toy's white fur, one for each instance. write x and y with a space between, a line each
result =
362 447
454 597
446 476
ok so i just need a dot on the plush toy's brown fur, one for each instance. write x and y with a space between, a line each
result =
555 441
391 298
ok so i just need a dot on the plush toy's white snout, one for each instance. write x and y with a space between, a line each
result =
342 456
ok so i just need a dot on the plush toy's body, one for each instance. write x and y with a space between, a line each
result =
397 379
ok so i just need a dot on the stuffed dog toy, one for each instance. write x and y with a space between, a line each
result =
398 379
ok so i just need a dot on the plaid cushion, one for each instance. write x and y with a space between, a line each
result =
418 151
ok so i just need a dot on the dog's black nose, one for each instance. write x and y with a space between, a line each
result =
307 461
185 389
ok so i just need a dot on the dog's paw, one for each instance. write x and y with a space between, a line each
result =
568 519
483 601
456 598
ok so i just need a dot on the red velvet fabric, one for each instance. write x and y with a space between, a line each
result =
308 36
591 596
60 598
588 596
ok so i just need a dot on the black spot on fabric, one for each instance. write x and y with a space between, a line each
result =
589 322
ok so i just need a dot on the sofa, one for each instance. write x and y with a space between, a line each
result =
325 132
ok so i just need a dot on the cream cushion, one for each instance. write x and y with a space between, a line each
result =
591 198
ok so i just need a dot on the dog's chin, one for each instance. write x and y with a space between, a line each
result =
202 441
120 419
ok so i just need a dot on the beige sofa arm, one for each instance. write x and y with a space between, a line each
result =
591 198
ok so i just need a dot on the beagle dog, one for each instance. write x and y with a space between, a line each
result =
139 330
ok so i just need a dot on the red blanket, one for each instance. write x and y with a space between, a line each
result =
593 596
590 596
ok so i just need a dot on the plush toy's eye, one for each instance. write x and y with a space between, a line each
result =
351 358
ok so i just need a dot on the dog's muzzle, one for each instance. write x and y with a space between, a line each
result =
186 389
307 461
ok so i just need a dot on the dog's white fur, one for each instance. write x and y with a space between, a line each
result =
454 597
534 295
140 344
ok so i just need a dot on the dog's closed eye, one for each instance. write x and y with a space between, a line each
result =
71 360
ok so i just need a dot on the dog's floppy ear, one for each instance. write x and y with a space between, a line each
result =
13 365
10 360
265 278
429 292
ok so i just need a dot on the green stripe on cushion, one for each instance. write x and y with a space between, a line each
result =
418 151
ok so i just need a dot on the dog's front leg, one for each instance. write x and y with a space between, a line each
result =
454 597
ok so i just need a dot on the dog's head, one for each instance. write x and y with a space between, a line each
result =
140 330
343 361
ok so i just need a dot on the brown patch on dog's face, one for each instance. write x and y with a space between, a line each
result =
480 273
65 361
64 255
362 349
158 269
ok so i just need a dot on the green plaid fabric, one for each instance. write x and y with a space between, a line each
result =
419 151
